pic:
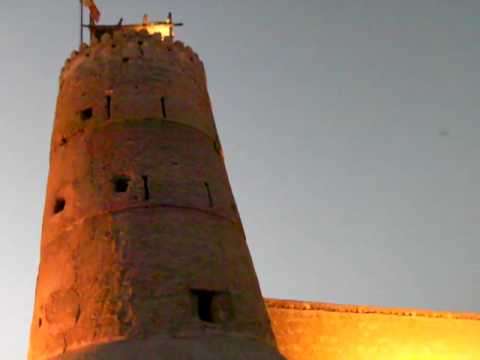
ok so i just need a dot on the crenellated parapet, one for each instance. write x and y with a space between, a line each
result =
319 331
123 42
132 75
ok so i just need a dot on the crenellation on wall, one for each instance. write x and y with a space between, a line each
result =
129 38
364 309
173 84
319 331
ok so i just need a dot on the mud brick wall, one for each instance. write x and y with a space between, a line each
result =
315 331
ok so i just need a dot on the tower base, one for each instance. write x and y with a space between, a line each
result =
167 348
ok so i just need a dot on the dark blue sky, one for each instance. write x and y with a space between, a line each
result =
351 132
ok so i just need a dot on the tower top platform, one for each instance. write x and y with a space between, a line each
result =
165 28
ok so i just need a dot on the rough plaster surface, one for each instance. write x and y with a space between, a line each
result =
118 266
314 331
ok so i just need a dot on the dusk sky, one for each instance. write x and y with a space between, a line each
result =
351 132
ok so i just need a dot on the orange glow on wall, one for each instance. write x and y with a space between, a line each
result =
314 331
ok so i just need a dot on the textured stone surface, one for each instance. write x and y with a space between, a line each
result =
140 223
315 331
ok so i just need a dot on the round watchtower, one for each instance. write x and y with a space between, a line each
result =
143 255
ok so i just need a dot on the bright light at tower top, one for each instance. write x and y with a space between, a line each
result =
166 28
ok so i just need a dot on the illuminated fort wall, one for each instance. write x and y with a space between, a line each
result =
314 331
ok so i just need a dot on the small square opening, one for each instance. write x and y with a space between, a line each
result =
120 184
212 306
59 205
86 114
203 301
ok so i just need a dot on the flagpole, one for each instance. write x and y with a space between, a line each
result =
81 22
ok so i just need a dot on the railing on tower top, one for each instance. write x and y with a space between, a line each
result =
166 28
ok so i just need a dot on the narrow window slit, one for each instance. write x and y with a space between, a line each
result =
77 315
140 44
120 184
108 99
164 108
210 199
59 205
86 114
39 322
146 188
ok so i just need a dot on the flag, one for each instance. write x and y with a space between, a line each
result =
94 12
